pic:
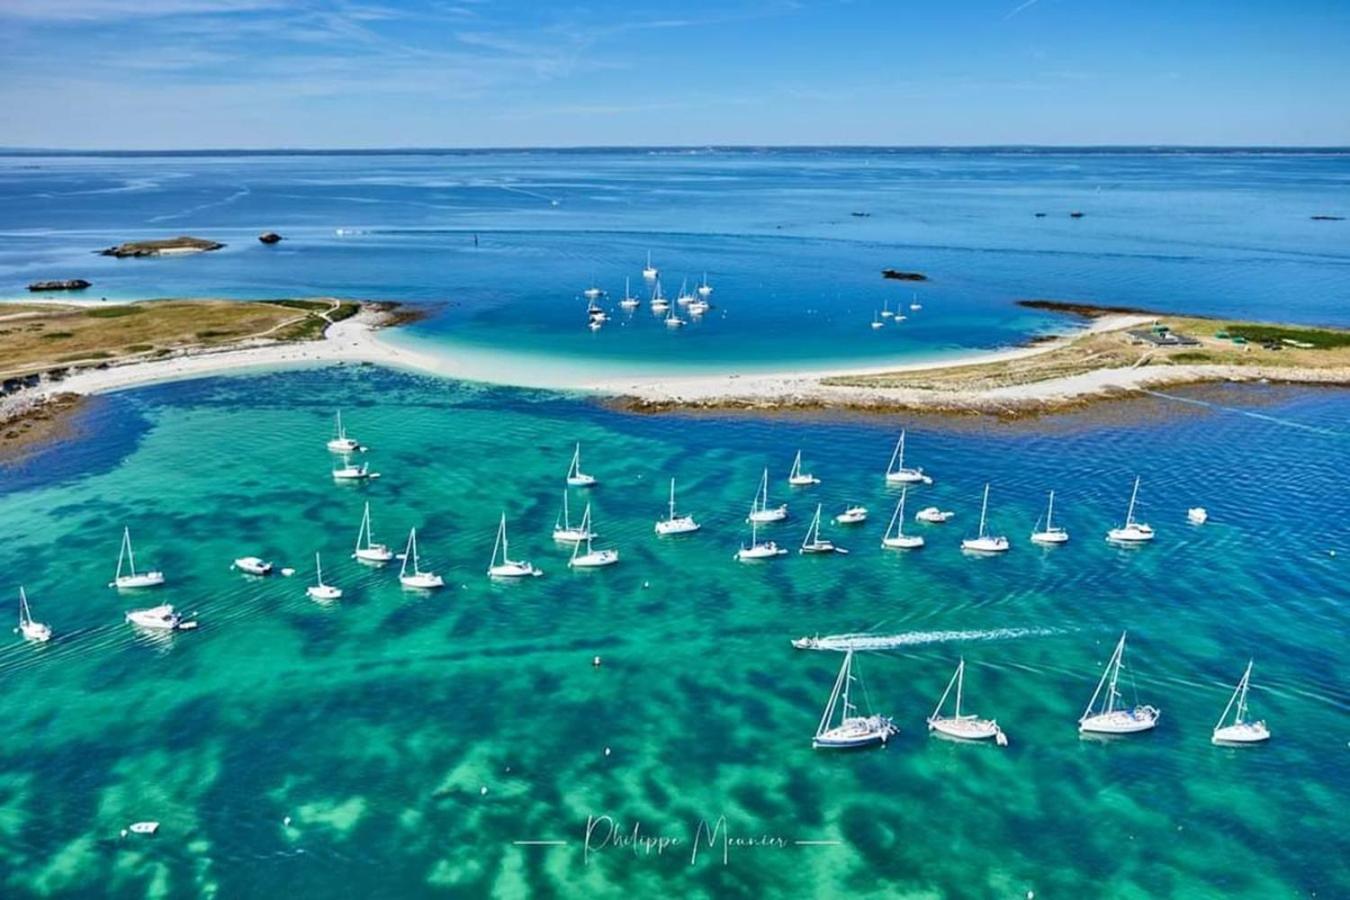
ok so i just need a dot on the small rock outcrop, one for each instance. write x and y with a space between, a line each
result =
269 237
897 275
69 284
168 246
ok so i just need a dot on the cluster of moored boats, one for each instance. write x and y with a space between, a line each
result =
886 315
842 726
693 303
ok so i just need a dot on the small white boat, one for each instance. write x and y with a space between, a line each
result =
416 579
1131 532
798 478
592 292
576 477
1112 716
853 731
886 310
340 442
143 827
675 524
591 559
126 559
349 472
698 307
896 473
984 542
876 322
1051 533
684 298
629 301
318 590
814 543
159 618
899 540
931 515
1241 731
508 567
760 511
366 550
650 271
672 320
31 630
758 550
595 313
964 726
914 304
658 303
253 565
852 515
705 289
1197 515
564 531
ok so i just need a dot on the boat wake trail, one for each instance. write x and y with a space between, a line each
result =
1246 412
868 641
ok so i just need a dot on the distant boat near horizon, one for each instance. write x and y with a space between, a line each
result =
650 272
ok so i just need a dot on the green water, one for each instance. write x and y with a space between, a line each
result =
375 722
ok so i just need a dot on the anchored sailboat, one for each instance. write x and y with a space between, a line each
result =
757 550
676 524
366 550
318 590
985 542
705 289
814 543
852 515
896 473
966 726
760 511
576 477
591 559
629 301
564 531
650 271
852 730
1240 731
416 579
798 478
126 558
349 472
508 567
900 540
659 303
1131 532
340 442
1111 716
31 630
1052 533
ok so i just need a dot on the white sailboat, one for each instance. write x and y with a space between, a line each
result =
253 565
592 292
672 320
659 303
650 271
318 590
564 531
684 298
160 618
508 567
915 304
675 524
965 726
340 442
896 473
126 559
1112 716
984 542
814 543
1240 731
595 313
416 579
798 478
900 540
31 630
852 515
876 322
349 472
698 307
629 301
705 289
366 550
1051 533
931 515
1131 532
886 310
758 550
591 559
576 477
760 511
853 730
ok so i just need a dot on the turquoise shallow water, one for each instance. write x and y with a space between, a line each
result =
375 722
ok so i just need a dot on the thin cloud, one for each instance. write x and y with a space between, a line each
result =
1024 5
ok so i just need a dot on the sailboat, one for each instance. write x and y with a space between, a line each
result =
629 301
1052 533
576 477
318 590
814 543
1112 717
852 730
1241 731
508 567
684 298
985 542
676 524
966 726
900 540
650 272
659 303
705 289
876 322
592 292
126 558
698 307
591 559
340 442
760 511
563 529
757 550
416 578
349 472
1131 532
595 313
366 550
31 630
853 514
672 320
798 478
896 473
915 304
886 310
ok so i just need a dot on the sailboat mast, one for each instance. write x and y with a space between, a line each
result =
24 615
1242 695
848 678
1129 513
318 569
960 684
834 694
1116 659
984 505
672 499
1050 513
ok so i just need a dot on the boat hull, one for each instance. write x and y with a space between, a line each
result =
903 542
158 618
1050 537
763 516
514 570
1132 535
986 545
760 552
932 515
681 525
851 517
323 592
572 535
422 582
965 729
1244 734
377 555
582 480
905 476
597 559
1144 718
803 480
343 445
36 632
145 580
855 734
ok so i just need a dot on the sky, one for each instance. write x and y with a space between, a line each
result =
195 74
